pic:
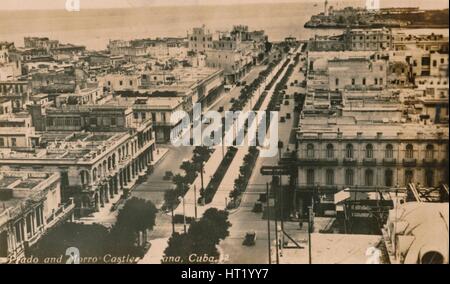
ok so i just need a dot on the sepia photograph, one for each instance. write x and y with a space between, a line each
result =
256 132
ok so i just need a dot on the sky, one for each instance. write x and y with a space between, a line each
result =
104 4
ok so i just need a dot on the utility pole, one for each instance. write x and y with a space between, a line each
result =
184 215
268 223
282 215
276 223
202 190
195 201
310 216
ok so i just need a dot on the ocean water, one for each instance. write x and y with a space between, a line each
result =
94 28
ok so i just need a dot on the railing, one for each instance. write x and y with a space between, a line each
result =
369 162
389 161
350 161
317 161
430 162
59 214
408 162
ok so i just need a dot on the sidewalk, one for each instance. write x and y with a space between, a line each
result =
156 252
105 215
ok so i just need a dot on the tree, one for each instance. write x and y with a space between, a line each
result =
202 238
181 184
171 200
179 245
137 216
203 234
220 221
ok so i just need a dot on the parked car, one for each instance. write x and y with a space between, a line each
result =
257 208
249 239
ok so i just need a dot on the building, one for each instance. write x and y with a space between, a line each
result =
81 97
17 91
30 204
16 131
194 85
10 65
100 151
236 52
120 82
200 40
335 153
368 39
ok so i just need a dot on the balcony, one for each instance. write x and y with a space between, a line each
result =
427 162
408 162
389 162
350 162
369 162
318 162
308 162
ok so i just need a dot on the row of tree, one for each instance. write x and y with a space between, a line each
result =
201 239
245 172
191 168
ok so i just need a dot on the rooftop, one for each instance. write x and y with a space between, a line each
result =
68 147
19 189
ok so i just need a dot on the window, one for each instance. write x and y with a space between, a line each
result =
409 176
310 151
388 177
113 121
429 178
389 153
429 153
330 177
337 82
376 81
368 178
381 81
2 142
364 81
131 83
310 177
349 177
136 115
369 151
434 63
353 81
330 151
121 83
13 142
409 154
349 151
153 116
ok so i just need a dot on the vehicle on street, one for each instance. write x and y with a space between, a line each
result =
249 239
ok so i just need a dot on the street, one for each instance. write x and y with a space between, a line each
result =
243 219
